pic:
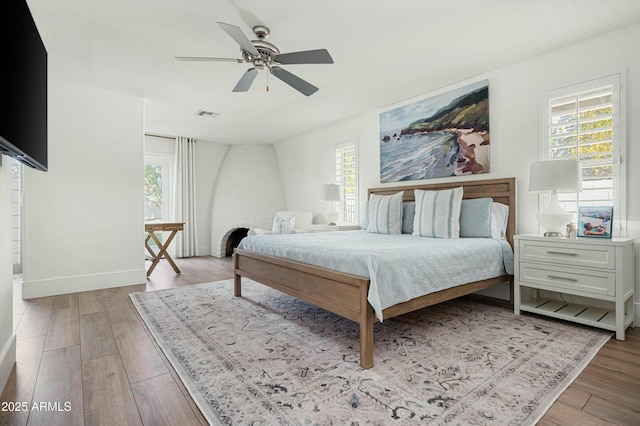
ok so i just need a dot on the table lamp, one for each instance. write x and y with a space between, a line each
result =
553 177
332 192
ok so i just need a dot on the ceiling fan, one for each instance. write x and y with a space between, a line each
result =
264 55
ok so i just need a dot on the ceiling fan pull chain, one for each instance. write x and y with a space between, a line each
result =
267 82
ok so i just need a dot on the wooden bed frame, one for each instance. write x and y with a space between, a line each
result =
345 294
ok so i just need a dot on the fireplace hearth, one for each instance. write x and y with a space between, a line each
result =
234 239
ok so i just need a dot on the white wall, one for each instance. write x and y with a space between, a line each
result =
515 94
208 164
7 337
83 219
209 157
247 193
307 162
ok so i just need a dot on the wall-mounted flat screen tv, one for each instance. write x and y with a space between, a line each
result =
23 86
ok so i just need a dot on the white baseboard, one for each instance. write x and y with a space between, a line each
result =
64 285
7 360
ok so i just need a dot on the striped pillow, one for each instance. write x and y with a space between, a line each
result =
438 213
283 225
385 213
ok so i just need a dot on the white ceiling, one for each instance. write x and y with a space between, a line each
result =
384 52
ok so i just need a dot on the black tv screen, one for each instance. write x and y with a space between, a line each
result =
23 86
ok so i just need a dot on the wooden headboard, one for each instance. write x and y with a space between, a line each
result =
501 190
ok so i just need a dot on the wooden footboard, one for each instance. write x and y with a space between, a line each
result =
340 293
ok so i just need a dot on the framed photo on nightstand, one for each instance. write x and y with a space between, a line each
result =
595 221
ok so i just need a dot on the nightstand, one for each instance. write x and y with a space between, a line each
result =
585 280
328 228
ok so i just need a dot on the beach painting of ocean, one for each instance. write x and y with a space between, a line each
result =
444 135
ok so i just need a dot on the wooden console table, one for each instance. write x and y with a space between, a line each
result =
152 227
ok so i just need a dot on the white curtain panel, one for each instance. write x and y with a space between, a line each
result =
184 206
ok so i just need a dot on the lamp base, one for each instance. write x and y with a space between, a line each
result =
554 219
554 234
332 217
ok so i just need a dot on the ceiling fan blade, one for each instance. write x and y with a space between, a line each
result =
207 59
237 34
318 56
294 81
246 80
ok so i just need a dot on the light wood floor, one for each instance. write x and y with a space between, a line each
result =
92 355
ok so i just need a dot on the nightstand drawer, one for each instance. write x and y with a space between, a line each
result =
575 254
568 279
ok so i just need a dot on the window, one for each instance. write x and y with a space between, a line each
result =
157 184
346 155
583 122
16 215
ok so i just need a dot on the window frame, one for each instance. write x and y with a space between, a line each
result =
618 198
349 205
167 175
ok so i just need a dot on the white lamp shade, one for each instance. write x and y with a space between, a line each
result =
331 192
555 175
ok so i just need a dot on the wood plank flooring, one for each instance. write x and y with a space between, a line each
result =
88 359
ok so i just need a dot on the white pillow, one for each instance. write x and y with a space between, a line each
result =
282 225
438 213
385 213
499 218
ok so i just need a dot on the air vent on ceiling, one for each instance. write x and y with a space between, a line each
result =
204 113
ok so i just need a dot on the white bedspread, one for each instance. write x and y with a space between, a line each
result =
399 267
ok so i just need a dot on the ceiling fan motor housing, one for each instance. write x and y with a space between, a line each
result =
267 56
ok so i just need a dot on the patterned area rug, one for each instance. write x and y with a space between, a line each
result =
267 359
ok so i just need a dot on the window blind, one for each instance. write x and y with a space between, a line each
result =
582 122
346 157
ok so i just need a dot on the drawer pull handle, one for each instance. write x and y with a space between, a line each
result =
555 277
562 253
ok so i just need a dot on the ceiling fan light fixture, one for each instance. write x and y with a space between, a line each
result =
259 64
246 56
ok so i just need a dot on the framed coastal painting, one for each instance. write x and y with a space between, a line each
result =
595 221
443 135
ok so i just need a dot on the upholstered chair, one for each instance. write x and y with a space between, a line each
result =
287 222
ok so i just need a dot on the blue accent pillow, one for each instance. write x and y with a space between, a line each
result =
475 218
408 213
